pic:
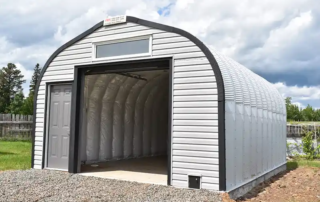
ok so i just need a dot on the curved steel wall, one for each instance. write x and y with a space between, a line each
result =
196 92
255 124
125 117
255 112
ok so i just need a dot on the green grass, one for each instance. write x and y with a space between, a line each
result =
291 165
15 155
304 122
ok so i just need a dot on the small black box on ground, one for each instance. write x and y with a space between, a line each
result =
194 182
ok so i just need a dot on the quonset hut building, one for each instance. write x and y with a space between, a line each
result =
153 101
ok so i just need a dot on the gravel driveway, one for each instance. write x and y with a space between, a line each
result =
45 185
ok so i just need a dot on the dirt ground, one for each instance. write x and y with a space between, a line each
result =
299 185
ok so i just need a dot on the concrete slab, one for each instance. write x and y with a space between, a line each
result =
152 170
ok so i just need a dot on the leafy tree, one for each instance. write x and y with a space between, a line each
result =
293 111
288 106
27 108
308 114
11 81
317 115
16 105
296 114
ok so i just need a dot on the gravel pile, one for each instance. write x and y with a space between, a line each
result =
45 185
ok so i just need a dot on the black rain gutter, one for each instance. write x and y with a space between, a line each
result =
203 48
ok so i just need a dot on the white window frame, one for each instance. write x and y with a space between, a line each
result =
95 44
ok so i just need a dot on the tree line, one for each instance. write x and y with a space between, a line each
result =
294 113
12 99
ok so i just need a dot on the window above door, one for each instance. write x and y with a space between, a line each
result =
122 48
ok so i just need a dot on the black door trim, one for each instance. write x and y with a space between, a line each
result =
203 48
111 67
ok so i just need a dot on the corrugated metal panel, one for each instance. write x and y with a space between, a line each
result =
195 86
194 104
195 112
212 154
169 40
207 173
164 35
196 97
192 74
255 123
196 122
176 50
107 32
196 92
199 166
204 79
37 166
196 116
172 45
189 55
192 61
191 68
210 161
178 140
198 135
195 129
194 147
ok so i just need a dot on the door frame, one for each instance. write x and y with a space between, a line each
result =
47 121
112 67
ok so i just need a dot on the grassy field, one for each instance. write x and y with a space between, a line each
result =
302 163
15 155
304 122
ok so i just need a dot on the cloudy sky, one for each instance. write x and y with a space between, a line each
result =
279 40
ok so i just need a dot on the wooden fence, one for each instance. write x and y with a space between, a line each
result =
297 130
12 125
15 125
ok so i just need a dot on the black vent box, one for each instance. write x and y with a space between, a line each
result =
194 182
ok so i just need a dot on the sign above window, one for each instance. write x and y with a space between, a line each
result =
115 20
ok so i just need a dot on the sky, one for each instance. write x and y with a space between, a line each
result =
279 40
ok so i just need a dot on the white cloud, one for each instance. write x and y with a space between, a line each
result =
299 93
77 25
299 104
10 52
266 36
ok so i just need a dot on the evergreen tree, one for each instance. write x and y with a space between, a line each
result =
27 108
11 81
35 78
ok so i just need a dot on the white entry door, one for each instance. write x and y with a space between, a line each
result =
59 127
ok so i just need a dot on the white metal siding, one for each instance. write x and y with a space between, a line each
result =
255 124
195 112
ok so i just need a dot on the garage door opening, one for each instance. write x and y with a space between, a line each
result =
125 127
